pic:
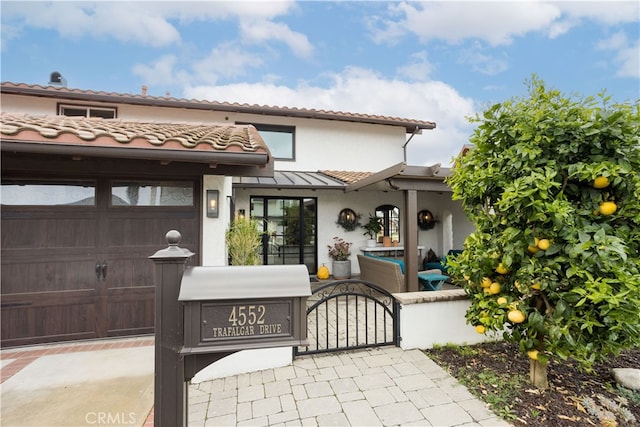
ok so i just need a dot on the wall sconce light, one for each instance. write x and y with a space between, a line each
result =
348 219
426 220
212 203
241 213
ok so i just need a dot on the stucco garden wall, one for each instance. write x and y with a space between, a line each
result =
436 318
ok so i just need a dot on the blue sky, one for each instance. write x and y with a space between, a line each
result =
437 61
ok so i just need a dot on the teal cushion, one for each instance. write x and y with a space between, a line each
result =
383 258
397 261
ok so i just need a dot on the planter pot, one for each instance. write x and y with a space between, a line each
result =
386 241
341 269
371 243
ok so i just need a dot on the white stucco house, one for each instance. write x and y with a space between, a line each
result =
91 182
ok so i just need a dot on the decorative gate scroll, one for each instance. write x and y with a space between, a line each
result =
350 314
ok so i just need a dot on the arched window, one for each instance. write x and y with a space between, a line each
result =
390 218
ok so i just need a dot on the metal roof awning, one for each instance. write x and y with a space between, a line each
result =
291 179
403 177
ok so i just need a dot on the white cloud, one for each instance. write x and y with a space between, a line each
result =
260 31
163 71
628 61
614 42
482 62
227 61
151 23
497 23
351 90
121 21
606 13
626 54
603 12
418 69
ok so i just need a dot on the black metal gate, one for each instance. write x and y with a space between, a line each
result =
350 314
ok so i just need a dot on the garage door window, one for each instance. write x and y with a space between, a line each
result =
138 193
33 193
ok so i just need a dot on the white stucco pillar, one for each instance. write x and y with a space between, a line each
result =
214 250
447 232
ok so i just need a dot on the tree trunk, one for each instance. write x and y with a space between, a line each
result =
538 374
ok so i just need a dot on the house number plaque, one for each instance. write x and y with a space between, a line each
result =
248 319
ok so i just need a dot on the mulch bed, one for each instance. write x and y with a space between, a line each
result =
563 403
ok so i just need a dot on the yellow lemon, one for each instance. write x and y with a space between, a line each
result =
480 329
533 354
536 286
501 269
519 287
532 249
601 182
544 244
516 316
494 288
608 208
502 300
486 282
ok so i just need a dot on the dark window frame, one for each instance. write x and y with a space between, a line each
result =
387 217
277 128
301 244
150 182
60 106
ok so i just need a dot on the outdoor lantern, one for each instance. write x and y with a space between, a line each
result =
426 221
348 215
212 203
348 219
241 213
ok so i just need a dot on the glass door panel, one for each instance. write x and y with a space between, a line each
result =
289 226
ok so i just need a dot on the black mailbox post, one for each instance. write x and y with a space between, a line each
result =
206 313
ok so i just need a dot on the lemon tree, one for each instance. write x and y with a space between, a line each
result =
552 184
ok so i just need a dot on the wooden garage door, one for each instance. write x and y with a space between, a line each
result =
75 254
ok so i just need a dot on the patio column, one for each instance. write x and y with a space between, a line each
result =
411 240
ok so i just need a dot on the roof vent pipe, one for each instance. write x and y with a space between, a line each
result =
56 79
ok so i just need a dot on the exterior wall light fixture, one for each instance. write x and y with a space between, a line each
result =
212 203
348 219
426 220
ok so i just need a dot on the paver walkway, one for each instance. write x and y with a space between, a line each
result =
384 386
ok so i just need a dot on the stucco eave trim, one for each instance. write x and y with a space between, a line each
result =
168 155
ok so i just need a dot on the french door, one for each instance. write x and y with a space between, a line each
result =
289 227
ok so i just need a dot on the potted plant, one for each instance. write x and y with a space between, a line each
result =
372 227
244 239
339 252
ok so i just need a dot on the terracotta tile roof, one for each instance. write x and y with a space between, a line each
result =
238 149
346 176
103 132
410 125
